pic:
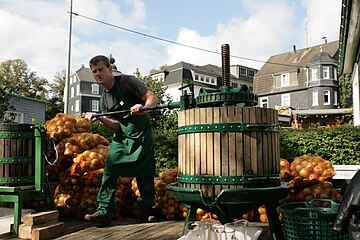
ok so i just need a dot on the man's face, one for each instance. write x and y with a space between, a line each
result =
101 73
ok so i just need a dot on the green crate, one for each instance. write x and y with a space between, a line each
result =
307 221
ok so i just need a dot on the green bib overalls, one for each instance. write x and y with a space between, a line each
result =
131 154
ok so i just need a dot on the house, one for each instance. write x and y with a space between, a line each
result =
85 92
183 76
300 79
349 56
27 109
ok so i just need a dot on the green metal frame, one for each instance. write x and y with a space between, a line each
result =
231 201
228 127
37 187
247 179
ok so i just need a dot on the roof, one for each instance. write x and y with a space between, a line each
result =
29 98
323 111
323 58
296 59
85 74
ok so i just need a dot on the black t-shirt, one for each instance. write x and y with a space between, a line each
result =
129 86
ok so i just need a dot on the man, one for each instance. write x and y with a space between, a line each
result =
131 152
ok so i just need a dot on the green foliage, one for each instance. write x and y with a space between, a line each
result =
345 90
164 122
18 79
56 95
340 145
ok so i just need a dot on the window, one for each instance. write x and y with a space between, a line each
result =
78 90
201 78
314 74
212 80
243 71
326 72
264 102
315 99
207 79
19 117
235 85
77 105
335 73
95 105
95 88
285 100
72 92
251 73
335 98
327 97
197 77
285 79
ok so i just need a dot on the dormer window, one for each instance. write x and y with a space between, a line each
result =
285 79
314 74
326 72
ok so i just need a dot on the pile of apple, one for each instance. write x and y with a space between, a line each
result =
62 125
307 168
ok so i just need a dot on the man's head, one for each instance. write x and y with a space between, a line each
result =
101 70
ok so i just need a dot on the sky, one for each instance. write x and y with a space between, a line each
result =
143 33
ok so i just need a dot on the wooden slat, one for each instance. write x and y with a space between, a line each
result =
217 149
209 190
197 146
188 147
259 143
232 145
253 142
247 141
239 144
265 137
203 142
190 121
181 144
224 139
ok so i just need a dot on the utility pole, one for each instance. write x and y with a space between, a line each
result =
67 79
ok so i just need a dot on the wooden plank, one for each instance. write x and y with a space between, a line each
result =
265 146
47 232
224 136
203 142
181 144
197 146
209 190
191 121
187 147
247 141
40 217
217 149
259 143
239 144
232 145
253 142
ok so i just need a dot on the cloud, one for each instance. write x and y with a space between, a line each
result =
37 32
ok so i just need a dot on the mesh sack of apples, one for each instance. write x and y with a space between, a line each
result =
304 169
62 125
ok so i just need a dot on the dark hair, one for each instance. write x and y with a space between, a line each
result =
100 58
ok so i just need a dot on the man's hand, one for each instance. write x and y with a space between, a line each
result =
135 110
90 116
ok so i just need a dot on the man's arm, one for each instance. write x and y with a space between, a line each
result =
110 123
150 100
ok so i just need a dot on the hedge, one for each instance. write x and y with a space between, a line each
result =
340 145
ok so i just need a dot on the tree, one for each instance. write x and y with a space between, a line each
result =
164 122
56 95
17 78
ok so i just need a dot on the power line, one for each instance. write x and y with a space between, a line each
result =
173 42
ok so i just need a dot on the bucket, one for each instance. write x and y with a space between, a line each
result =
228 147
17 154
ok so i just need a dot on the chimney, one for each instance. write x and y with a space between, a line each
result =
294 48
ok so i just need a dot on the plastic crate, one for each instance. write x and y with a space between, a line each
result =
306 221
